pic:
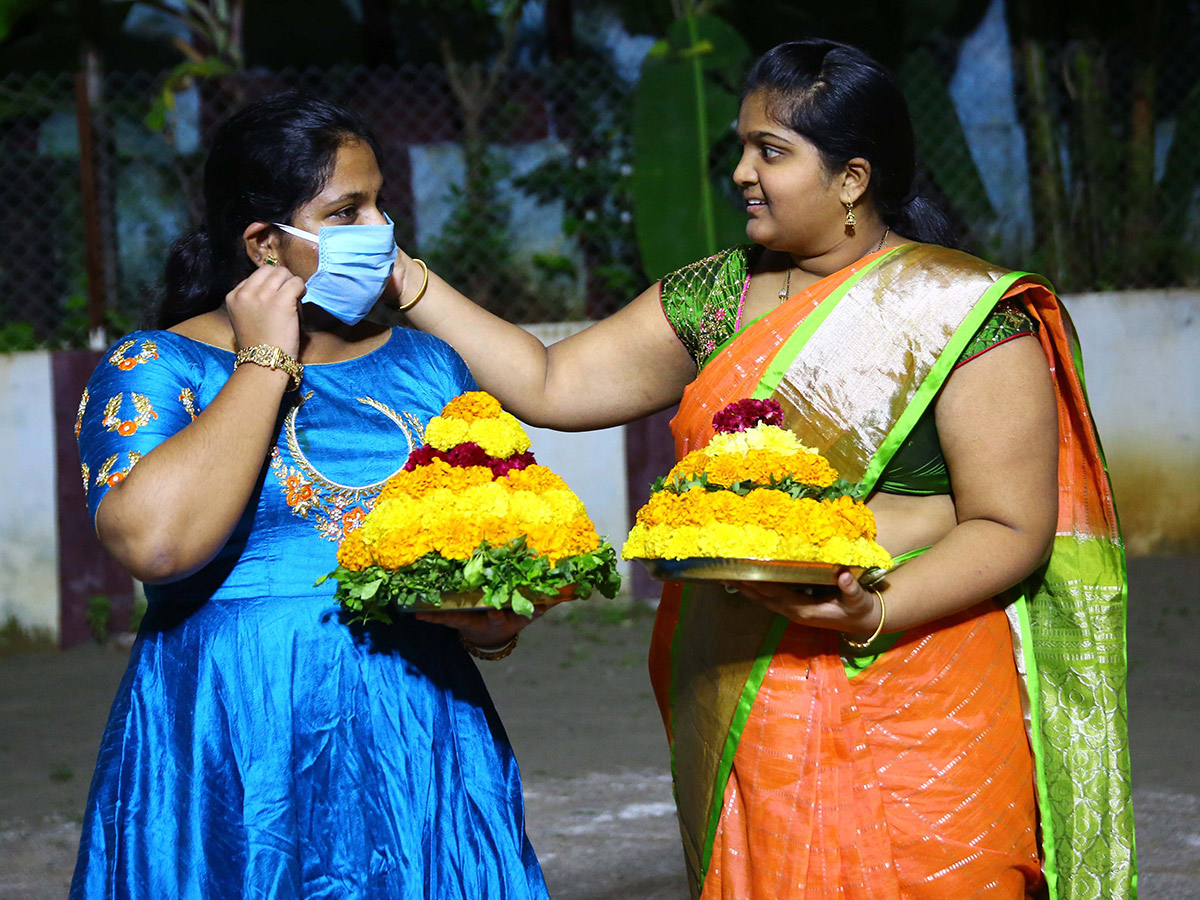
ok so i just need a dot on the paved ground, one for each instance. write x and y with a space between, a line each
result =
576 702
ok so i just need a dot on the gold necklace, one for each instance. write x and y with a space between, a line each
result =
787 283
785 291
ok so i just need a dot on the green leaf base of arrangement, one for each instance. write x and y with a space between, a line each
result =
509 576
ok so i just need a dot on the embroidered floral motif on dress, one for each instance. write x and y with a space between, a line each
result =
127 427
148 352
336 509
188 399
701 301
83 402
106 475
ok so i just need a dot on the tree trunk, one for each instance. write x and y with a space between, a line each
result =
1045 166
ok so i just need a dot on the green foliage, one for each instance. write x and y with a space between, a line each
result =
686 103
511 576
17 336
474 250
137 614
16 638
61 772
593 180
99 610
940 139
797 490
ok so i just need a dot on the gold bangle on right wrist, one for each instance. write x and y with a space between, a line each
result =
271 357
421 290
863 645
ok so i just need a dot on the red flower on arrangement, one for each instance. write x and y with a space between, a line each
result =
742 415
501 467
469 454
466 454
422 456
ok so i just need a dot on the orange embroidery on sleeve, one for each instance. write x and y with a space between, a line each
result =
106 475
148 352
126 427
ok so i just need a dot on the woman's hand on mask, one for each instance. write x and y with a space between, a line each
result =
264 309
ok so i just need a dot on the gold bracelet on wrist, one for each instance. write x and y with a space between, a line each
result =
491 655
863 645
271 357
421 290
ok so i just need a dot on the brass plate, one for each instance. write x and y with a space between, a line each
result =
726 569
471 602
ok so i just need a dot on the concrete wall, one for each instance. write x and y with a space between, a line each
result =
1141 355
28 509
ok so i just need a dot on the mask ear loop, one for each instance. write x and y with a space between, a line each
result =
297 232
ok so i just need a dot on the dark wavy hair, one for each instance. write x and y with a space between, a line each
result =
266 161
848 105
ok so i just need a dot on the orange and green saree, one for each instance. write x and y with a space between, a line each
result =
982 755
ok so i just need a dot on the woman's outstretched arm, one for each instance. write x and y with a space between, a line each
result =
619 369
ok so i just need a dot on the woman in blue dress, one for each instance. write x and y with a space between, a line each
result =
258 745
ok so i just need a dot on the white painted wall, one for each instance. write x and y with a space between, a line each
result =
1141 357
28 492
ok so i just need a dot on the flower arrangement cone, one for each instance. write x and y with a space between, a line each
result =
758 500
472 521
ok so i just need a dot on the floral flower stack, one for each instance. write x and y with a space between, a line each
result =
472 520
755 492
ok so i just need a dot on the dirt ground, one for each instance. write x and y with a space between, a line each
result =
576 701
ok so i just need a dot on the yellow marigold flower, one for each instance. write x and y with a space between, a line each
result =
471 406
455 539
395 549
353 552
561 541
442 433
564 505
760 437
501 436
499 532
400 515
535 478
491 500
528 508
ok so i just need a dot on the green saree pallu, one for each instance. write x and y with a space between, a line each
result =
856 361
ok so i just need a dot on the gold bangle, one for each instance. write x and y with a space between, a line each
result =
271 357
421 290
491 655
863 645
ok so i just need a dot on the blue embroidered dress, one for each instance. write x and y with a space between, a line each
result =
258 746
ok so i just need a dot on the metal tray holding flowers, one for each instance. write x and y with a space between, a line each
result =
472 522
755 505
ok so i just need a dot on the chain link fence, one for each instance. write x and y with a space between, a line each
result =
528 206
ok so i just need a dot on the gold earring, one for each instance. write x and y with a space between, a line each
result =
850 220
270 260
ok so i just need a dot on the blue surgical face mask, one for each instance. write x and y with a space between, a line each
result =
354 263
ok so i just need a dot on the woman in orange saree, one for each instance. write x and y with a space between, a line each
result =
806 770
976 747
